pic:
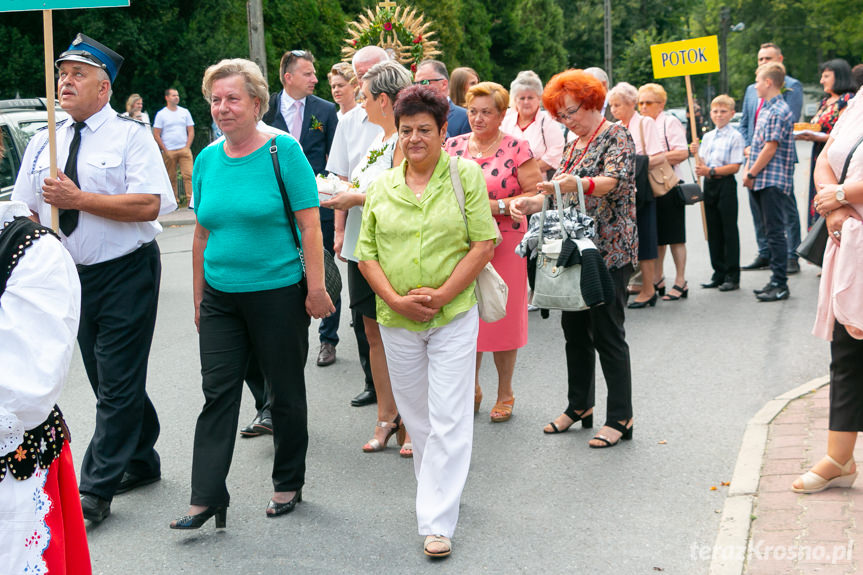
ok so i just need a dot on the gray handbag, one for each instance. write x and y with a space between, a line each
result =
555 286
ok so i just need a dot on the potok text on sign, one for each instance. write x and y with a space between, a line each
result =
686 57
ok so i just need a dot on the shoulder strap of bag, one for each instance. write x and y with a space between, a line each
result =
457 187
848 160
274 153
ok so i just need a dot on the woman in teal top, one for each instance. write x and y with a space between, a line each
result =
248 290
421 259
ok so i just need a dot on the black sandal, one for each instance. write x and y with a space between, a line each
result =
683 291
586 421
626 433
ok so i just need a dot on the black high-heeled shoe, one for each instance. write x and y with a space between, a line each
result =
642 304
626 434
195 521
660 289
586 421
682 290
284 508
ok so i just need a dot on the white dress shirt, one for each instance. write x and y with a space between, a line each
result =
117 156
288 110
354 135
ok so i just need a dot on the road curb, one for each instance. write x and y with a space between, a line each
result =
736 518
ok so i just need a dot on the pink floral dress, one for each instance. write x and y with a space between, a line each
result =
501 178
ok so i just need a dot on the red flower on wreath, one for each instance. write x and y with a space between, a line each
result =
355 42
388 26
413 67
418 39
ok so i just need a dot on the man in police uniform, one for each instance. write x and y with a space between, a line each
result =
111 187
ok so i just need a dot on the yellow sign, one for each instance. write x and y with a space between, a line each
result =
686 57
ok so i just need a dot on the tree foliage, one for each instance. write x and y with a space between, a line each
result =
169 43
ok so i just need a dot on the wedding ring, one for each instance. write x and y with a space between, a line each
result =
837 234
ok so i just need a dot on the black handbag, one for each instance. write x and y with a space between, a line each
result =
813 245
689 194
332 277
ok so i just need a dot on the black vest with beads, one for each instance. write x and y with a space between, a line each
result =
43 444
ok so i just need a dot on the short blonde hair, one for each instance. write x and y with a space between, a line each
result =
773 71
498 94
253 80
723 101
344 70
656 90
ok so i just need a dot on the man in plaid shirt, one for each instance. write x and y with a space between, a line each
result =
770 173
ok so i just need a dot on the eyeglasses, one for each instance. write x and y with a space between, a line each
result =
427 82
647 103
568 113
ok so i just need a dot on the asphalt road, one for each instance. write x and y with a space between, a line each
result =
533 503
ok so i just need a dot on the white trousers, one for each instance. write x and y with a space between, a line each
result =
432 375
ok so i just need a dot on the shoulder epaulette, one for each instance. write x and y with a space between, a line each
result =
131 119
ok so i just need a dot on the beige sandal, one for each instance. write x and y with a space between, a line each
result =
502 411
813 483
442 550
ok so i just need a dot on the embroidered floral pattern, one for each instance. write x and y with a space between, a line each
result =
20 453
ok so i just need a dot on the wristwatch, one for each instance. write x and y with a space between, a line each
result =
712 172
750 175
501 207
840 196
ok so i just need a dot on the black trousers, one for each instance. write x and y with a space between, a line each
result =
118 315
723 238
772 203
846 381
600 330
328 330
273 324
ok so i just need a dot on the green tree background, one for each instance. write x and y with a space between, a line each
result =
169 43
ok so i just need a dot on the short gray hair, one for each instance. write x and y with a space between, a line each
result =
598 73
367 54
437 66
625 91
526 81
388 77
253 80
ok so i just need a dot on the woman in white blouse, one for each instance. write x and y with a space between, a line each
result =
526 121
380 86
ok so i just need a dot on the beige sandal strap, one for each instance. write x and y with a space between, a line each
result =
845 469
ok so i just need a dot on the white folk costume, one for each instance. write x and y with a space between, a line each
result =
41 525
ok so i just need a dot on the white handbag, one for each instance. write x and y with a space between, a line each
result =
491 291
555 286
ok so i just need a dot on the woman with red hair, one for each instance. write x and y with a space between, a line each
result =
602 156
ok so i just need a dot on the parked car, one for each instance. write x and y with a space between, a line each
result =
19 120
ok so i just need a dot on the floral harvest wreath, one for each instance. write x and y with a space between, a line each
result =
395 28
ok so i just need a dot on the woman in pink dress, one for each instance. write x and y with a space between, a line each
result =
510 172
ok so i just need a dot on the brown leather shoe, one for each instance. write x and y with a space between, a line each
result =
327 355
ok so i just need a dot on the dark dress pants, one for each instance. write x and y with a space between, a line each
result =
600 330
118 315
273 324
772 205
328 330
723 238
846 381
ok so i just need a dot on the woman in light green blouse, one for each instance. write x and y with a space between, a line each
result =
421 260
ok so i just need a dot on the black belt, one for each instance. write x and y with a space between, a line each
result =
82 268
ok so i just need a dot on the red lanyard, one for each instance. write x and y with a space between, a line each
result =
568 163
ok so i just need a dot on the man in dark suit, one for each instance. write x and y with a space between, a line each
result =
312 121
434 74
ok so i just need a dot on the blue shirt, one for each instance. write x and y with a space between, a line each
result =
721 147
250 247
775 124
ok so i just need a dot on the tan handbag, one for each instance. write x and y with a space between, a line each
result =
662 177
491 290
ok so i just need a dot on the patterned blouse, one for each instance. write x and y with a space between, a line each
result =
828 114
612 154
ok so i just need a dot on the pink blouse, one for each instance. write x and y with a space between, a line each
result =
672 130
639 123
544 135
